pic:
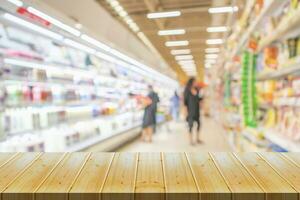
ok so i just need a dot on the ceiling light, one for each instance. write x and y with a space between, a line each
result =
33 27
180 51
177 43
182 62
217 29
191 64
113 3
163 14
212 50
123 13
105 57
118 8
95 43
226 9
16 2
134 27
184 57
189 68
207 66
78 26
79 46
214 41
210 61
211 56
172 32
54 21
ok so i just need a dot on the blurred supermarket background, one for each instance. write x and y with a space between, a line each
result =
76 75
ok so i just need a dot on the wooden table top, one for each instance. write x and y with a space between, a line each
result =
205 176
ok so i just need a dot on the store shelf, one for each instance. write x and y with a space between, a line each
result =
288 27
267 11
94 140
282 141
291 67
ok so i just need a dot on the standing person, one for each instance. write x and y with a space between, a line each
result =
175 104
192 104
150 103
155 99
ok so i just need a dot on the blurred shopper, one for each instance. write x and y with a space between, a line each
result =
175 106
155 99
149 119
192 103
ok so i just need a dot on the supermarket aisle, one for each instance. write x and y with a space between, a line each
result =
176 140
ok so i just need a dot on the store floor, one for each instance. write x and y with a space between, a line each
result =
173 137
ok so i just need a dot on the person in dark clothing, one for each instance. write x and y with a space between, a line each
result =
149 119
192 101
155 98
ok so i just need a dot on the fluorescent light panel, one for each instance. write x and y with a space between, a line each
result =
182 62
54 21
163 14
180 51
95 43
212 50
16 2
214 41
79 46
177 43
184 57
226 9
211 61
172 32
211 56
217 29
33 27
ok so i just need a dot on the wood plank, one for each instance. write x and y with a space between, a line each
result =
240 182
15 167
286 169
6 157
24 186
209 181
293 157
179 180
274 185
120 183
58 184
92 177
150 182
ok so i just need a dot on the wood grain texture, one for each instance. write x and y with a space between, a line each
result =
92 177
120 183
274 185
285 168
209 181
24 186
139 176
150 181
179 180
59 182
293 157
6 157
240 182
15 167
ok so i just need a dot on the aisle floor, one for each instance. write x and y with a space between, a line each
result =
173 137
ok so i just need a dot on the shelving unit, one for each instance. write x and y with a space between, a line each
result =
64 92
281 141
267 11
288 27
289 68
277 70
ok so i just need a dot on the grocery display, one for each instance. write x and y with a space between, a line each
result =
267 118
58 91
